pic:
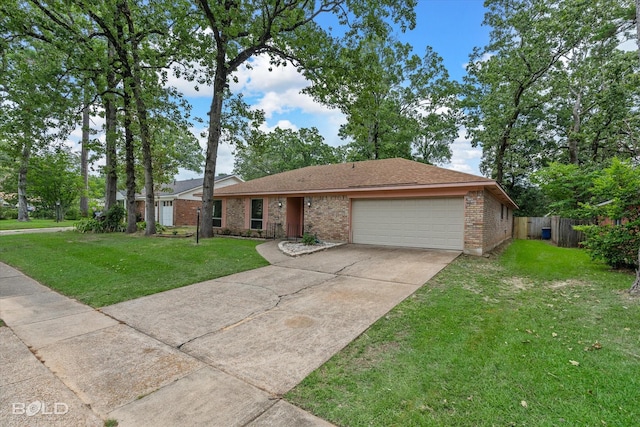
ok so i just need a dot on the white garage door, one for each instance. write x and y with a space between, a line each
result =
420 223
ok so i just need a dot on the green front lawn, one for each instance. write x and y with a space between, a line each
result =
537 336
14 224
103 269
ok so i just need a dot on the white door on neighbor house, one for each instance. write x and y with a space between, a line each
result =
434 223
164 214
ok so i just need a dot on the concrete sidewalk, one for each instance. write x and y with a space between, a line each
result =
217 353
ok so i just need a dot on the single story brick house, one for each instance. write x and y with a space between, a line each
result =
395 202
176 203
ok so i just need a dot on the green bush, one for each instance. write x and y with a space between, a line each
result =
310 239
113 218
109 223
8 212
90 225
43 213
616 245
142 225
72 214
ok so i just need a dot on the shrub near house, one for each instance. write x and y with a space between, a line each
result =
616 240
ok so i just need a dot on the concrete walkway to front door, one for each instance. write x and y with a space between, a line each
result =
221 352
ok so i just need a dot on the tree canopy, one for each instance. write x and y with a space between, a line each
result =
552 85
282 150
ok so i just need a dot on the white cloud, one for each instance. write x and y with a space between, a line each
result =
464 157
282 124
276 90
263 77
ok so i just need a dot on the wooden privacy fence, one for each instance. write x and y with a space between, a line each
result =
562 232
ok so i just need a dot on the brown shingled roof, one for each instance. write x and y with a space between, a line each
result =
354 176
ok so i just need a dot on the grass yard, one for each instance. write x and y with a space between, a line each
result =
535 336
14 224
103 269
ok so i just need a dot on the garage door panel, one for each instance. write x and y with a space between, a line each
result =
428 223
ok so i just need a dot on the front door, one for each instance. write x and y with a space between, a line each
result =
295 216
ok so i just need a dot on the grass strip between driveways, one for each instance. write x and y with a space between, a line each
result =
103 269
537 335
14 224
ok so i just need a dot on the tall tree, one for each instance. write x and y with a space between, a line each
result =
511 81
403 106
237 31
124 48
84 160
55 180
282 150
37 103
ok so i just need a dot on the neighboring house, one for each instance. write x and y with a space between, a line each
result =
177 203
393 202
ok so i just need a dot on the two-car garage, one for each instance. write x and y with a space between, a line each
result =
436 223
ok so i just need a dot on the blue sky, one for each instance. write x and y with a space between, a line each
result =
452 27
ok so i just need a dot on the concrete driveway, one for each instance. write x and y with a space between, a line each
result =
222 352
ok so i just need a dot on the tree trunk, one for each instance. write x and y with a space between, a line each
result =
84 163
374 140
111 175
573 135
213 140
145 134
23 211
129 165
505 139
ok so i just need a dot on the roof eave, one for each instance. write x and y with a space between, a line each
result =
498 191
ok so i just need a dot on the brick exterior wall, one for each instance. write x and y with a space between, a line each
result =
185 212
276 216
498 223
328 217
473 222
487 222
235 215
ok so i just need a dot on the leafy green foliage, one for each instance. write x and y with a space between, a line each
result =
309 239
403 106
552 85
282 150
110 222
567 187
54 178
617 245
8 212
616 198
142 225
